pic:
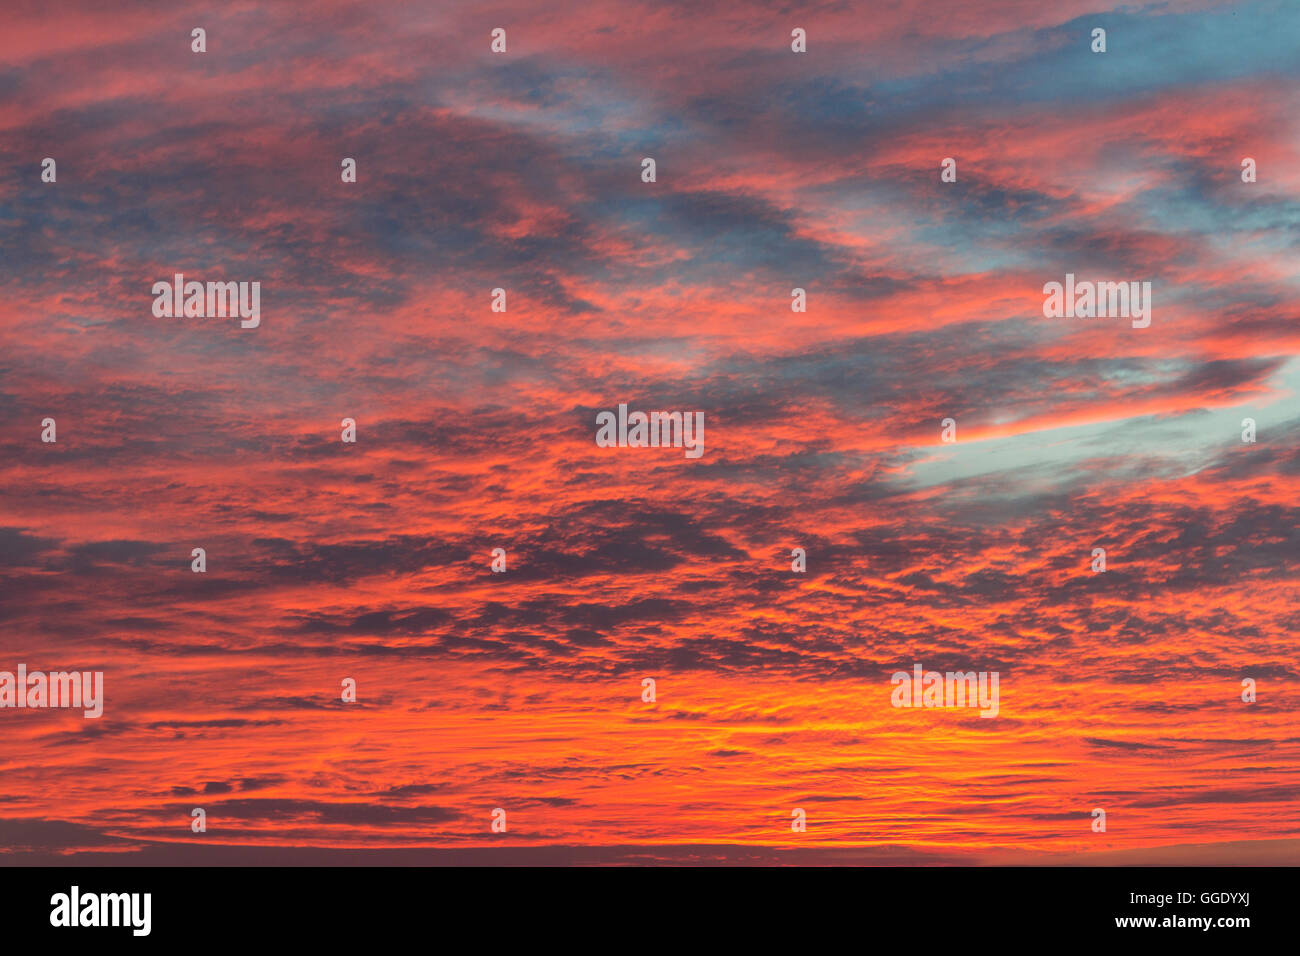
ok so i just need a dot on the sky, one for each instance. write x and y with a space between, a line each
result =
522 690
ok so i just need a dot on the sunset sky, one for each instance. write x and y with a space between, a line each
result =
475 429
